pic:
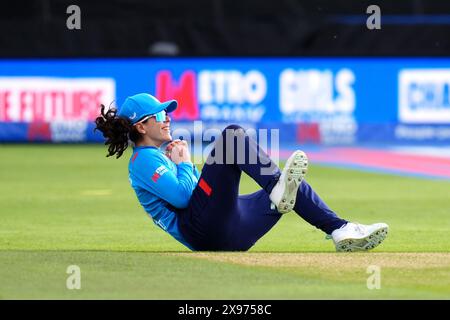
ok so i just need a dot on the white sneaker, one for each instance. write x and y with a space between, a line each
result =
284 193
359 237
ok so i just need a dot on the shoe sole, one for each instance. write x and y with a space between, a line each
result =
294 172
363 244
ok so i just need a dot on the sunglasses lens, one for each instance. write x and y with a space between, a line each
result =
160 116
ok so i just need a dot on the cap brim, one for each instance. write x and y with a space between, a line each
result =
170 105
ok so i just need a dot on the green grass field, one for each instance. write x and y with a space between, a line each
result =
69 205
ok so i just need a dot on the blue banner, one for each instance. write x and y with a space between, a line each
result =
316 100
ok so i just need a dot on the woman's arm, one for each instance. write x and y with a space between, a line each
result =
157 177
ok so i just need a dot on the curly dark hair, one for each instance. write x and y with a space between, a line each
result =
117 131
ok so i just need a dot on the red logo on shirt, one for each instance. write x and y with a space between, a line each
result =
159 172
155 177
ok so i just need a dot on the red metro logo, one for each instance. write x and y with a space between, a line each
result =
214 95
184 91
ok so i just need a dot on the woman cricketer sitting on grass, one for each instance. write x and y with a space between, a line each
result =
205 211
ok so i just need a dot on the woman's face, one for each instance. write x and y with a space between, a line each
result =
154 132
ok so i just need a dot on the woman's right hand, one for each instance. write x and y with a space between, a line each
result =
178 151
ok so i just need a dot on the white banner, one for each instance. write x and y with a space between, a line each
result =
424 96
48 99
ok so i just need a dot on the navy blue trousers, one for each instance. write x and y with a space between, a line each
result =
219 219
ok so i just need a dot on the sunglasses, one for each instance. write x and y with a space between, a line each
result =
159 117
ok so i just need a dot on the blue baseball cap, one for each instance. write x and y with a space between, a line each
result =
137 107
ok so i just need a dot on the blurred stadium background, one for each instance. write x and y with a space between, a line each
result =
312 69
372 100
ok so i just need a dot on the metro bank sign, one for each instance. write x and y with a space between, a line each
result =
216 95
